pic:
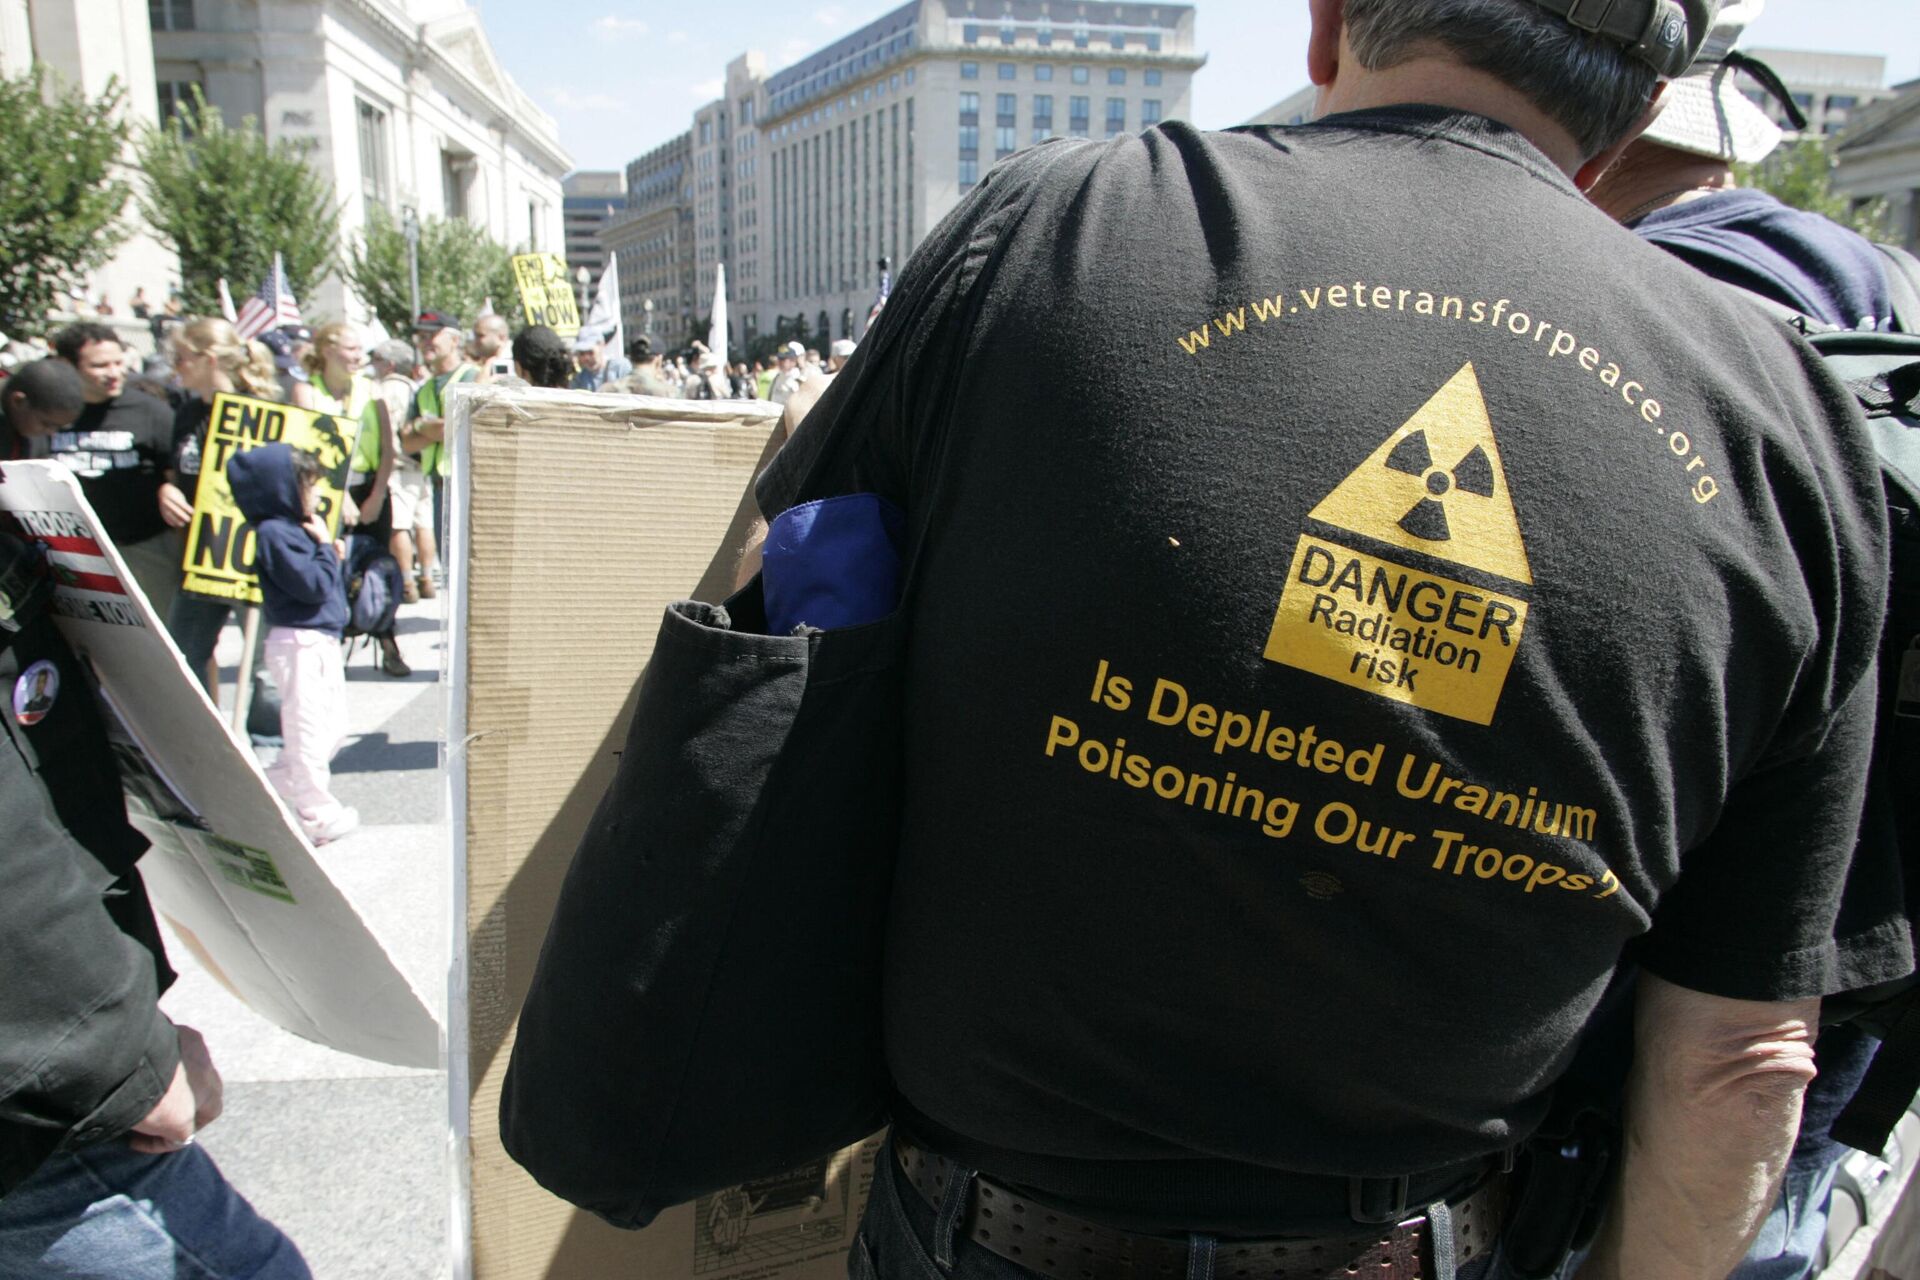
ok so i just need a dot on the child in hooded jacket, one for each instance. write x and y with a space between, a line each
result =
304 596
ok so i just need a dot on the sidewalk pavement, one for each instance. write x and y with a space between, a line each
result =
350 1157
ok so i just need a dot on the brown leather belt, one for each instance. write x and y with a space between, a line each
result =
1058 1245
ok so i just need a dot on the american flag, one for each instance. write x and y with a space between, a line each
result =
270 308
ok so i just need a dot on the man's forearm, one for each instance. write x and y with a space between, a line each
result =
1713 1106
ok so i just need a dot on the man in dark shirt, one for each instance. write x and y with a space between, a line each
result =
120 447
1459 603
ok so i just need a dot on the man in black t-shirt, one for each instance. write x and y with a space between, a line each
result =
120 447
1461 603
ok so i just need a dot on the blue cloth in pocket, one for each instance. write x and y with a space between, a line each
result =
832 563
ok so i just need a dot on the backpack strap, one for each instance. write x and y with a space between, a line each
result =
1903 286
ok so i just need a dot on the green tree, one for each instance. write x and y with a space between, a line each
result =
228 200
60 198
460 267
1801 175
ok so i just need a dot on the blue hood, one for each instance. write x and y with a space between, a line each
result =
264 486
1801 260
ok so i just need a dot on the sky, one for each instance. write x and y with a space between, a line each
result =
622 76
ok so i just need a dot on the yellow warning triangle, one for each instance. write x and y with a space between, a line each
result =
1437 486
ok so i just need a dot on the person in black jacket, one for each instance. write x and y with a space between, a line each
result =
100 1094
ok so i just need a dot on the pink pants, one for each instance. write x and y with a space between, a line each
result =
311 673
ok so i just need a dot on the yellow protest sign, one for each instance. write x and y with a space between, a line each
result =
220 552
546 294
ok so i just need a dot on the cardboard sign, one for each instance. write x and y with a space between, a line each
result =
546 292
543 668
229 867
220 551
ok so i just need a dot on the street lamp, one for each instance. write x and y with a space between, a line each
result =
646 305
410 228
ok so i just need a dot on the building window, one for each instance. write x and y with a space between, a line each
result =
969 173
372 125
173 95
1006 106
969 71
1116 116
910 71
1003 143
1043 72
971 33
1842 102
1080 35
1081 75
456 171
1077 116
1149 112
1804 101
1006 70
1152 75
1045 37
1042 132
1043 109
1119 40
1116 75
170 15
969 138
1153 42
969 108
1006 33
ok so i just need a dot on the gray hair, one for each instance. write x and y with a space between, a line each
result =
1585 83
394 353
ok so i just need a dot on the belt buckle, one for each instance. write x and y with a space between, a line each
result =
1366 1209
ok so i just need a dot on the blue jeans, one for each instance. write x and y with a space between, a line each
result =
107 1212
902 1238
1790 1239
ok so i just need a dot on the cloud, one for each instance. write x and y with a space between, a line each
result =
676 37
832 15
615 25
708 90
568 100
796 48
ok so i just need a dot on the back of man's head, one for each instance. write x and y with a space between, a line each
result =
48 387
1593 82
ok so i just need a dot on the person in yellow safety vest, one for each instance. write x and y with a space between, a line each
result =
443 347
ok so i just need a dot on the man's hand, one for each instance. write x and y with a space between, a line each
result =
191 1102
174 507
426 431
317 530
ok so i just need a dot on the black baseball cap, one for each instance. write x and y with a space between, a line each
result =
1664 34
435 321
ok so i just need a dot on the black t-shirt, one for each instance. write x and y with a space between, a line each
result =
1368 594
120 450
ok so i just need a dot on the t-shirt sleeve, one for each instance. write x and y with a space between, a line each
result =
1757 913
874 428
1783 900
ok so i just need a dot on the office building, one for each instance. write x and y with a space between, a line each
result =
589 198
802 180
1295 108
1878 158
1827 87
654 238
